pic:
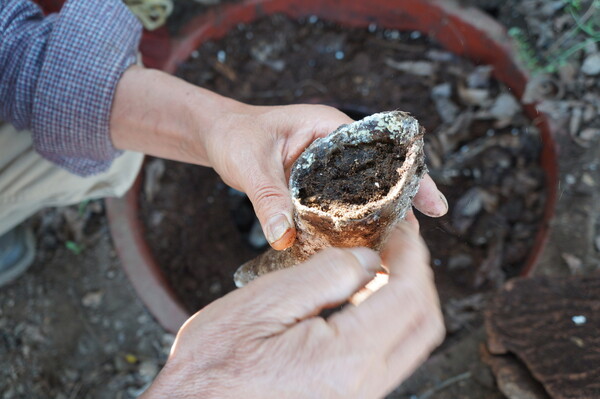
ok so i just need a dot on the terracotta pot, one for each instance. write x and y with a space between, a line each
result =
465 32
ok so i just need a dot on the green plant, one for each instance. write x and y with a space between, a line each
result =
527 53
585 31
74 247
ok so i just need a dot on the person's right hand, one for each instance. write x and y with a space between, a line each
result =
266 340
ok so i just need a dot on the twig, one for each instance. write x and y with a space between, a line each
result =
443 385
314 84
567 54
75 390
398 46
570 33
583 20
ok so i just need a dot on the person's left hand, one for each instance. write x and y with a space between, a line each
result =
251 147
254 148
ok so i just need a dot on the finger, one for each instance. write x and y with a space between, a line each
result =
320 119
389 314
429 200
412 220
270 197
414 349
326 280
314 121
404 249
331 121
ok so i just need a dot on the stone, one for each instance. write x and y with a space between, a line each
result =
446 108
574 263
504 108
148 370
591 65
589 134
419 68
92 299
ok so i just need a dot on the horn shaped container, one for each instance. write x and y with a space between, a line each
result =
349 189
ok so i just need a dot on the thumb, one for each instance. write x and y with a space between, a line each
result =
273 207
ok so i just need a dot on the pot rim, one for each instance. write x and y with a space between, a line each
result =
466 32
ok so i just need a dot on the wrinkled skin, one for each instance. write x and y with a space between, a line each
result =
251 147
266 340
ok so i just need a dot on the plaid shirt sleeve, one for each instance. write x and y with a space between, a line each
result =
58 76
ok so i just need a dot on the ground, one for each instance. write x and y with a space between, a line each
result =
72 327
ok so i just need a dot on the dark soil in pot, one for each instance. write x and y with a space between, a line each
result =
198 229
360 175
481 150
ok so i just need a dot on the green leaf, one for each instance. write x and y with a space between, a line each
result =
515 31
74 247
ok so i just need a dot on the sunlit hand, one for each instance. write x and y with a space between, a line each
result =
254 148
266 340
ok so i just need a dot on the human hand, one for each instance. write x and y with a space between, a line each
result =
253 149
266 340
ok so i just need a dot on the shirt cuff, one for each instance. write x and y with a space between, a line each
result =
91 44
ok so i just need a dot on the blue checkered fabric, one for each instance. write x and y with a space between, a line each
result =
58 76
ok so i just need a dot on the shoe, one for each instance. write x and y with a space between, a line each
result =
17 252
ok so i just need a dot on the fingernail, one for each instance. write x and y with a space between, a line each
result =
367 259
277 226
445 201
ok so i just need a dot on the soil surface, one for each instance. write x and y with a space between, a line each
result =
72 327
353 174
192 224
480 149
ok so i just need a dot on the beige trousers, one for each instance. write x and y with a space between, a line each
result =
29 183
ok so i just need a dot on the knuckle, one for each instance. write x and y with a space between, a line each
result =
265 193
432 319
439 321
436 328
425 254
415 296
320 108
344 262
419 247
403 295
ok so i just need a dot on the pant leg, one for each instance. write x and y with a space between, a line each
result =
29 183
